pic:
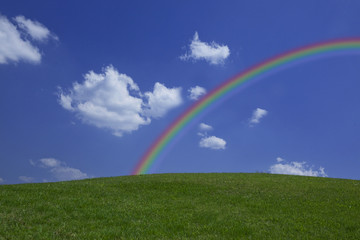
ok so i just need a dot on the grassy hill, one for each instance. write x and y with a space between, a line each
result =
183 206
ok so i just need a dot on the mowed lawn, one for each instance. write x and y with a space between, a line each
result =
183 206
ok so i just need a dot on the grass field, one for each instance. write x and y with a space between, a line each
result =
183 206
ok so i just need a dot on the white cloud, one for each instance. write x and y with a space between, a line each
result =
14 46
212 142
113 101
49 162
162 99
63 173
35 29
257 115
26 179
204 127
2 180
296 168
65 102
196 92
279 159
59 169
213 52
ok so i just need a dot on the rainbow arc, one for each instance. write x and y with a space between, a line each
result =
158 146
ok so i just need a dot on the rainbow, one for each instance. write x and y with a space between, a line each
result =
223 89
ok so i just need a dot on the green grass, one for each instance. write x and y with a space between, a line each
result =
183 206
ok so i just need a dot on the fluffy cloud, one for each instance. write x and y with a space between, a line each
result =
257 115
36 30
59 169
26 179
213 52
112 100
2 180
212 142
196 92
14 46
296 168
161 100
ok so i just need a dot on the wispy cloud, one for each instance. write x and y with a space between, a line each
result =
2 180
257 115
14 46
26 179
64 173
36 30
295 168
205 127
112 100
196 92
59 169
210 52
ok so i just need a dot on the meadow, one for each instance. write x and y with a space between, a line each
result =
183 206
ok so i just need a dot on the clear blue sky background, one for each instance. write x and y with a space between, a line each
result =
313 109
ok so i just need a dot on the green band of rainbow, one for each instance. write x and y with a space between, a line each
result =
175 127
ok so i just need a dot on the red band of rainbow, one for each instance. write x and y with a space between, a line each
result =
175 127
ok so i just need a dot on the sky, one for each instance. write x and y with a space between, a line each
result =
87 86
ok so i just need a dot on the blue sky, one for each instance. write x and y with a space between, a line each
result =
86 86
